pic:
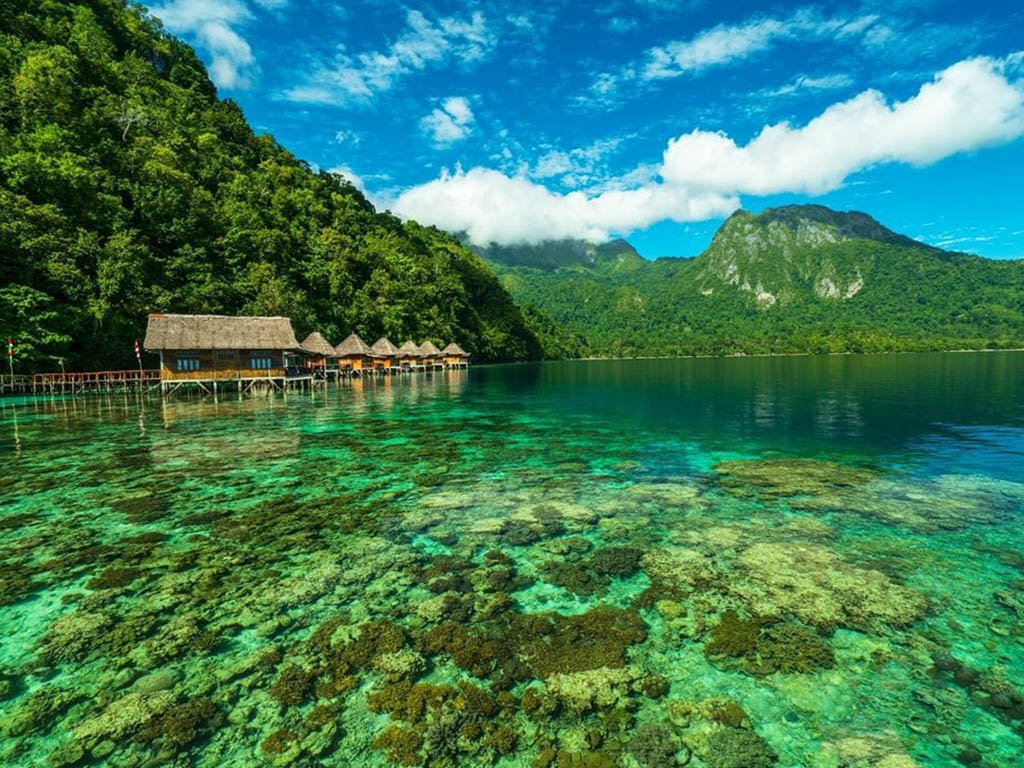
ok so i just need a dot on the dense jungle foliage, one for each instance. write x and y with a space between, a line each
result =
128 187
906 296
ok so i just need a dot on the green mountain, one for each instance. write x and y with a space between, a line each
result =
791 279
127 186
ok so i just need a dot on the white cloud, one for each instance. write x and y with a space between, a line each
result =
353 79
451 122
622 24
492 207
347 137
577 166
553 163
350 176
214 24
966 107
725 44
459 109
806 83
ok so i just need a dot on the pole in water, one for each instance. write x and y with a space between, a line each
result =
138 357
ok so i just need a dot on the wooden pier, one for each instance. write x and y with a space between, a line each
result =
133 380
15 385
242 384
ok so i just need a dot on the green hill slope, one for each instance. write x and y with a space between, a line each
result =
127 186
793 279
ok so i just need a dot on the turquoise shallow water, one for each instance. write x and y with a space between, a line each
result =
724 563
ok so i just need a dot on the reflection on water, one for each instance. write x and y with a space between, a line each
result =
719 563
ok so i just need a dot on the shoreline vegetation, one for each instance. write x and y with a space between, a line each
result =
803 354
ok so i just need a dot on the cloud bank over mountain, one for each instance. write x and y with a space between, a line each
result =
973 104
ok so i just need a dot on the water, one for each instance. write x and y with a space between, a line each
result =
739 563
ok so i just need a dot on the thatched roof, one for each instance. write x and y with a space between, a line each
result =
409 349
455 350
218 332
351 347
316 344
384 348
427 349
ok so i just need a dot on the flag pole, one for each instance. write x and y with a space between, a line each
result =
10 359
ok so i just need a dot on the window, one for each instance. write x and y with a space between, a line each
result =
187 360
260 360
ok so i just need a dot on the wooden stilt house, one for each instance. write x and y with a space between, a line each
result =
317 352
211 348
409 355
431 355
384 353
353 355
455 356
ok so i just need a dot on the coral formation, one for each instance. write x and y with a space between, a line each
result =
654 746
816 586
775 478
616 561
182 725
763 646
737 748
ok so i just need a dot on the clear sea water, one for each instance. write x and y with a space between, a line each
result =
726 563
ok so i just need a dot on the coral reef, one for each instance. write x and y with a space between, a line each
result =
373 585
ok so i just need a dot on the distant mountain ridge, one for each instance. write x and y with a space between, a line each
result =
794 278
557 254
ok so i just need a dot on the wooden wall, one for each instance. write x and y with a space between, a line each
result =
350 363
222 364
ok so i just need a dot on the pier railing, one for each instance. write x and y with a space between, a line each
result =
96 381
18 385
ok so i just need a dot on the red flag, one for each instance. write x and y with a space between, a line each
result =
10 347
138 354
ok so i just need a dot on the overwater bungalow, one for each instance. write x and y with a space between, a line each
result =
318 352
455 356
409 355
431 355
353 355
207 349
384 354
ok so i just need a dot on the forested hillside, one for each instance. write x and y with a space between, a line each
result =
127 186
794 279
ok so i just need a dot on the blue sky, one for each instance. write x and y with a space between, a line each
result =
652 119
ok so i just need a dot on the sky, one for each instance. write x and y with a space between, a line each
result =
648 119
